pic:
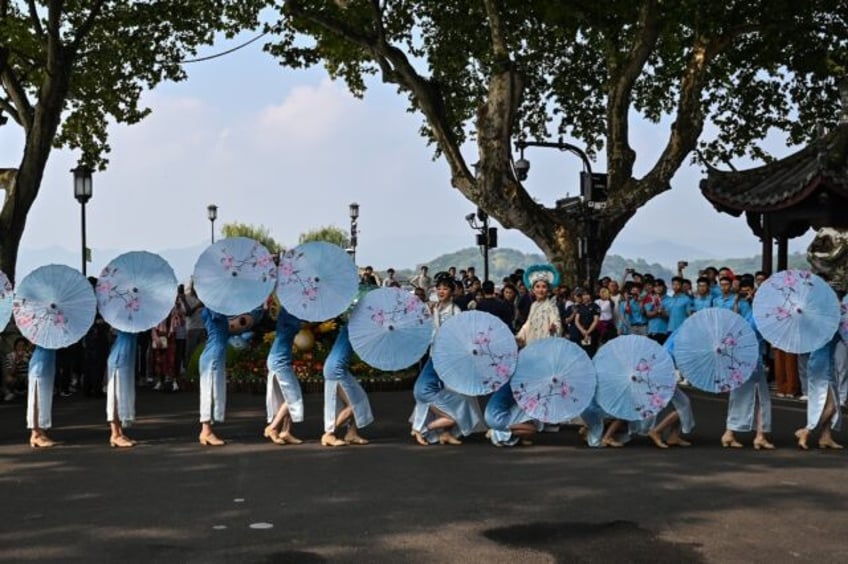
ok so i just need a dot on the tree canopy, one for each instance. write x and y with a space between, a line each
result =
256 232
328 234
490 72
69 69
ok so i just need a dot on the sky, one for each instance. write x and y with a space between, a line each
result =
291 149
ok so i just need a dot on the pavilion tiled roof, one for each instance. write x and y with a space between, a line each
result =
783 183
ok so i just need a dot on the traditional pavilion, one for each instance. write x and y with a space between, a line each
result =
785 198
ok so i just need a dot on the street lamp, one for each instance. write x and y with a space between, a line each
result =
487 237
354 231
83 191
593 192
212 212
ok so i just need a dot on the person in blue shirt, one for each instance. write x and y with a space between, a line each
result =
744 296
655 310
703 298
631 311
678 305
711 274
727 299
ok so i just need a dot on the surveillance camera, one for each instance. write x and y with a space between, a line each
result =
522 167
469 217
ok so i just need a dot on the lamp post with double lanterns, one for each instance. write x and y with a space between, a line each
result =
354 229
212 213
83 190
487 237
593 193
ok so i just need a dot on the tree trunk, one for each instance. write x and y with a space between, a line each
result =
24 190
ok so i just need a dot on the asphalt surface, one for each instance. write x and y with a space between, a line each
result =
171 500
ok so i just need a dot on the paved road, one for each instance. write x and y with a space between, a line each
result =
170 500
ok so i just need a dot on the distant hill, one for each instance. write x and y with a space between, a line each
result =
503 262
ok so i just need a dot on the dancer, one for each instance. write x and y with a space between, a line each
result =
823 402
509 425
677 419
544 318
283 398
42 374
213 377
442 415
749 405
120 389
345 401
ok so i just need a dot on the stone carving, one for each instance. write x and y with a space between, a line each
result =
828 256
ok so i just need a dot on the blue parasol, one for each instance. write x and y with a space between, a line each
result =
474 353
54 306
317 281
554 380
136 291
635 377
716 350
234 275
390 328
796 311
843 322
5 300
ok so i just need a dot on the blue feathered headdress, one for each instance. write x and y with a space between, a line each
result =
546 272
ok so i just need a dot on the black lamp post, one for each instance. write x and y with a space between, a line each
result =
212 211
487 237
83 192
593 192
354 230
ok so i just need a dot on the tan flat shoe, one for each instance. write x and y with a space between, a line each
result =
41 441
290 439
448 439
120 442
271 433
763 444
802 435
419 438
330 440
210 440
830 443
678 442
657 439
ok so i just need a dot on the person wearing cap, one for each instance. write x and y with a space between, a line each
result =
441 415
543 320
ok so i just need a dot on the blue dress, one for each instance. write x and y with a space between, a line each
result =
742 403
821 381
430 392
336 377
502 412
282 386
120 389
42 374
213 367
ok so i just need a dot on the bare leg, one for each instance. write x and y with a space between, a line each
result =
656 434
609 437
829 412
525 432
38 438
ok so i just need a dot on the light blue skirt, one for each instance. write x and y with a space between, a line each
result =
337 377
743 402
